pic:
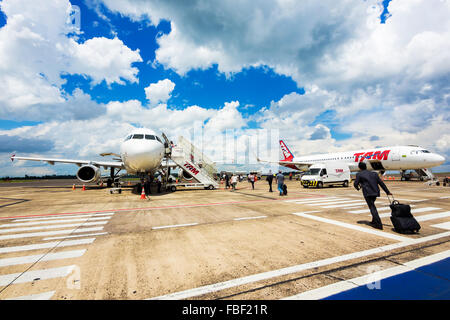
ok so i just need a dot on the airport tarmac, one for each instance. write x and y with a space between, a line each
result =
58 243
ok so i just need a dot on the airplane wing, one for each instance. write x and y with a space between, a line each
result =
289 164
105 164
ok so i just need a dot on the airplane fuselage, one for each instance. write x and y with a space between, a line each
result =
387 158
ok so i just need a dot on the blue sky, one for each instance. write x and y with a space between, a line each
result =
328 77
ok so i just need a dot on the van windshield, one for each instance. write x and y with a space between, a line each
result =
313 172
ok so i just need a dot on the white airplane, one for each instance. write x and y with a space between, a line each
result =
141 153
380 159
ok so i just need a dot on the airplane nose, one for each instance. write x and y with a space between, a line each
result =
439 159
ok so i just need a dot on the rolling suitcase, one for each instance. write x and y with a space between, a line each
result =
402 219
284 189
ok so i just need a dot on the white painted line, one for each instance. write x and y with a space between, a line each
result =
77 236
344 205
353 227
433 216
6 262
48 233
426 209
311 199
312 202
59 226
445 225
368 211
35 274
249 218
345 285
84 215
176 226
418 210
34 223
293 269
39 296
409 200
342 201
444 197
46 245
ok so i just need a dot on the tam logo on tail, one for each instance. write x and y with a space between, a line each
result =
288 156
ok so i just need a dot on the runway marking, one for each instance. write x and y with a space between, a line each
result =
444 197
353 227
76 236
417 200
48 233
46 245
176 226
5 262
30 276
433 216
59 226
418 210
150 208
356 204
312 200
378 209
34 223
39 296
249 218
293 269
346 285
324 202
87 216
445 225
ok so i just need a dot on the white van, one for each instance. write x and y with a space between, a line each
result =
320 175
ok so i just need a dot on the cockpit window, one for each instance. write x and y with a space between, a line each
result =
157 138
425 151
128 138
150 137
138 136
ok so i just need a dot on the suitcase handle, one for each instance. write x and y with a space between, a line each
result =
393 200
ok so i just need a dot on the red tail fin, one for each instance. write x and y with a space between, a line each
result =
288 156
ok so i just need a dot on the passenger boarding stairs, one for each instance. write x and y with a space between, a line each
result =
194 162
425 174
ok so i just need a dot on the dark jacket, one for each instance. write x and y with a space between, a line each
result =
369 182
269 178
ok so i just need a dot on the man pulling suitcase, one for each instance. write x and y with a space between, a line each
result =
369 181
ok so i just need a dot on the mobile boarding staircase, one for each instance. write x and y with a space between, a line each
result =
193 162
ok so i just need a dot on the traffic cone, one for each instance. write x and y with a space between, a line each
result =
143 194
73 187
84 188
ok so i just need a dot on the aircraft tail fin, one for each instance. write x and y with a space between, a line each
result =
287 154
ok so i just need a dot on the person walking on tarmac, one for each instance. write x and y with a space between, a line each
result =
234 181
227 181
369 181
251 178
269 179
280 182
159 183
147 187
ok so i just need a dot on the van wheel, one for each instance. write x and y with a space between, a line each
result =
173 188
345 183
320 185
210 187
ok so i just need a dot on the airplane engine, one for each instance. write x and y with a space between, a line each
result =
185 175
88 173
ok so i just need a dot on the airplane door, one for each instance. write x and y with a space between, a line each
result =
395 155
